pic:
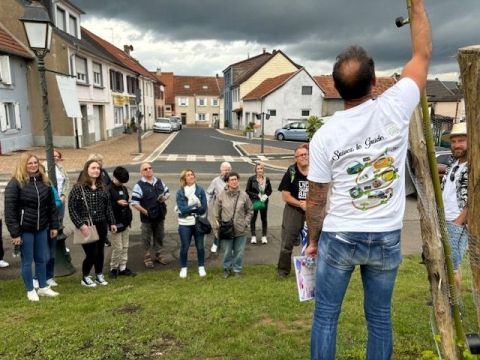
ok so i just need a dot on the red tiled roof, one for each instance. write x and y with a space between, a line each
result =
121 56
197 85
12 46
267 86
167 79
326 84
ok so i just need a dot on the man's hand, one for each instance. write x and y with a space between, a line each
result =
53 233
311 251
122 202
113 228
303 205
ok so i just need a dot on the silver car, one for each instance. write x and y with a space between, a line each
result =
178 120
293 131
162 125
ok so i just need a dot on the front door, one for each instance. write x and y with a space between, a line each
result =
184 118
96 121
85 131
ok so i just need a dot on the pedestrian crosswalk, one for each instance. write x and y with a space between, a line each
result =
200 158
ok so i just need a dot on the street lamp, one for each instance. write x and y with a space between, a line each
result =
38 28
262 116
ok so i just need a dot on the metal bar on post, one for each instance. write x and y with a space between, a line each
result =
263 133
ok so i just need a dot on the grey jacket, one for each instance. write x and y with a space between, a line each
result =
224 210
216 187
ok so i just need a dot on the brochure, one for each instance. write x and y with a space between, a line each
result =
305 274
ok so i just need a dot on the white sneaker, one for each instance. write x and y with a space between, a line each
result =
254 240
3 264
51 283
35 284
100 280
214 248
32 295
264 240
88 282
201 271
183 273
46 291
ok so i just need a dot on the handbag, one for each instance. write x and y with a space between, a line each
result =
202 225
78 237
258 205
226 231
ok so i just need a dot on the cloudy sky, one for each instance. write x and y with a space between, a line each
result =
202 37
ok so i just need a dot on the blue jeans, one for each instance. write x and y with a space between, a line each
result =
233 255
34 247
458 237
379 257
186 233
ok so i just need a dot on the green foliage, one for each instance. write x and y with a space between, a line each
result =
250 127
313 124
157 315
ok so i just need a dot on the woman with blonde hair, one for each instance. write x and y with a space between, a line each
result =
30 213
259 189
191 202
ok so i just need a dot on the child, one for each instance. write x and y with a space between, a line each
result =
123 220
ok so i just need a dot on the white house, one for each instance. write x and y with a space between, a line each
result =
288 97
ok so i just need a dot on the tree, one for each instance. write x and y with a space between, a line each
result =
313 124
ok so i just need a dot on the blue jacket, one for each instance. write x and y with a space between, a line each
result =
182 202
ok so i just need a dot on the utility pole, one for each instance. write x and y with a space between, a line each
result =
138 97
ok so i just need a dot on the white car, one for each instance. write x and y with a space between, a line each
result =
162 125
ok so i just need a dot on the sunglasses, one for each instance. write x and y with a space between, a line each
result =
452 174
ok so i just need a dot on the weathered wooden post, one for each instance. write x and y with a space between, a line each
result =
469 61
432 239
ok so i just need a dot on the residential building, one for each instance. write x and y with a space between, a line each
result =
333 102
288 97
242 77
445 98
159 91
15 119
197 99
167 79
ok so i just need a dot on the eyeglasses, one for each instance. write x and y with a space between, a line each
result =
145 169
302 155
452 174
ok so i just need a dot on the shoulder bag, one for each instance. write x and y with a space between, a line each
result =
78 237
226 230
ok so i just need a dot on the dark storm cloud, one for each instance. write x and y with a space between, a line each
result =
305 29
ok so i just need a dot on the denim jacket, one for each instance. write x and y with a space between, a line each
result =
184 209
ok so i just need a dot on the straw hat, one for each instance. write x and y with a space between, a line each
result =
459 129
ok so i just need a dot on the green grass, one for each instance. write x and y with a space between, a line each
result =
158 316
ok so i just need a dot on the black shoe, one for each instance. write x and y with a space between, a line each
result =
127 272
108 243
226 273
113 273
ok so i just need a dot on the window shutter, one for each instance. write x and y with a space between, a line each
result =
6 76
207 117
3 118
18 123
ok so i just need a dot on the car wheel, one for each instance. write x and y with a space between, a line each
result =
280 137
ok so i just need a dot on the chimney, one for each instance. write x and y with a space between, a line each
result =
127 49
264 50
159 71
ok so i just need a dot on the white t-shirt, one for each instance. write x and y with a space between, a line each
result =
450 193
361 152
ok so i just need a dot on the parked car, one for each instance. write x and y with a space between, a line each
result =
162 125
178 120
443 156
175 125
292 131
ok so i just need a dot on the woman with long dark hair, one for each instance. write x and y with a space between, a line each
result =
30 216
89 199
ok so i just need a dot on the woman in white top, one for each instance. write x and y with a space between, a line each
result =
191 202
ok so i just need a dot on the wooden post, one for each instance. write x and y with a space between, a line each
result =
431 237
469 61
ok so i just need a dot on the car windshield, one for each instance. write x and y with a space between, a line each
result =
163 121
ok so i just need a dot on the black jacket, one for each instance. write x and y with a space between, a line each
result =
30 207
253 189
122 214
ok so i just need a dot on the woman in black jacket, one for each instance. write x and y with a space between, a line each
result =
89 199
30 213
259 189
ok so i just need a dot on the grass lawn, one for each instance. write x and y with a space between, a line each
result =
158 316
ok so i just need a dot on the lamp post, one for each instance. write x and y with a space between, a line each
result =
38 28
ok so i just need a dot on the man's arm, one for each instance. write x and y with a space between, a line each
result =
315 214
289 199
417 68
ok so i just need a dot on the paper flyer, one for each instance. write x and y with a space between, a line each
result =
305 274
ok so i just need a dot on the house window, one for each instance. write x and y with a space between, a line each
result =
116 81
9 116
202 117
272 112
204 87
305 112
72 26
167 107
81 69
183 101
161 95
118 115
61 19
186 86
5 74
132 85
306 90
214 101
202 102
97 74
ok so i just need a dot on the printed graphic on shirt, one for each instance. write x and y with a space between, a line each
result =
302 189
373 181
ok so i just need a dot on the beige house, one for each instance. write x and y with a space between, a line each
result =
197 99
